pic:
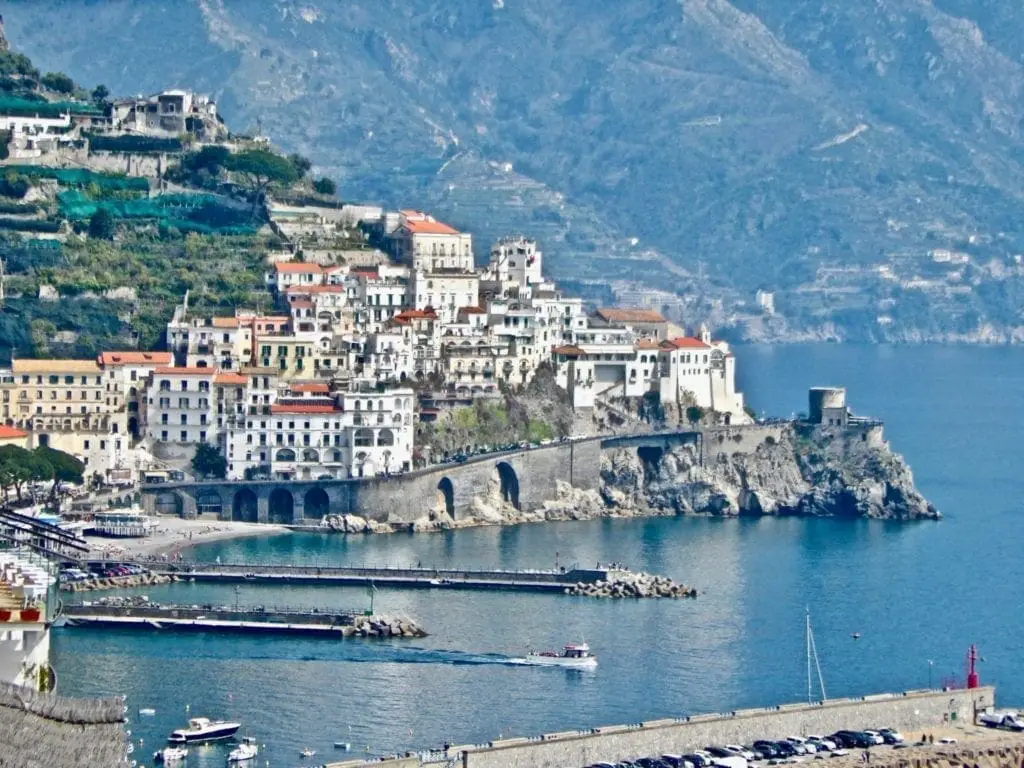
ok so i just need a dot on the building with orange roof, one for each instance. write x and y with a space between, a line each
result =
287 274
127 375
14 436
428 245
645 322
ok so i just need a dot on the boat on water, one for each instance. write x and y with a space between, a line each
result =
170 755
147 711
247 750
204 729
576 655
307 752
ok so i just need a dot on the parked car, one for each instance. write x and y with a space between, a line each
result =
742 751
767 748
699 761
821 743
716 751
677 761
875 736
785 749
891 735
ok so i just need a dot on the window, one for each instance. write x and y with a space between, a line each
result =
163 418
163 435
103 445
184 418
54 379
184 436
67 395
184 385
85 444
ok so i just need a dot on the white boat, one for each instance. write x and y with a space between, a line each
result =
204 729
247 750
147 711
573 655
170 755
307 752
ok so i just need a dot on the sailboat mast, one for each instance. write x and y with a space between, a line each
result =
807 638
812 652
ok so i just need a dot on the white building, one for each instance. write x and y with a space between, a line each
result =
426 244
446 293
181 406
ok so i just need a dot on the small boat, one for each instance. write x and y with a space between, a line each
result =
247 750
572 655
344 745
204 729
147 711
307 752
170 755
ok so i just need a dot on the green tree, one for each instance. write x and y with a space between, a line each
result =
325 186
102 225
209 462
300 164
58 81
259 168
694 414
100 93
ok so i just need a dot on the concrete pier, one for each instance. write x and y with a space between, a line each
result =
323 623
417 578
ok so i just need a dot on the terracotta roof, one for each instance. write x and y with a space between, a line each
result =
421 224
614 315
310 386
300 303
413 314
648 344
365 270
230 378
298 267
473 310
688 342
226 322
298 409
10 433
184 371
568 349
55 366
135 358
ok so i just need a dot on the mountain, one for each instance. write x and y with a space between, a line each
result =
860 160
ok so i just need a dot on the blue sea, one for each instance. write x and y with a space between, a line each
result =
918 595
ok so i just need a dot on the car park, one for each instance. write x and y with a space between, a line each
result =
891 735
875 736
821 743
741 751
698 760
768 749
677 761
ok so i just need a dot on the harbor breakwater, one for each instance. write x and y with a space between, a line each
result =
911 712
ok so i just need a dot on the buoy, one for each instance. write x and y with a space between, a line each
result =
855 635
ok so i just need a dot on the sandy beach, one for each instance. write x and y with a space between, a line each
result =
174 534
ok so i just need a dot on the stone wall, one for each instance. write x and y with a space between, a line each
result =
911 712
738 439
529 477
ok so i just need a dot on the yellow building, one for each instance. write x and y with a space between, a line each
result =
65 404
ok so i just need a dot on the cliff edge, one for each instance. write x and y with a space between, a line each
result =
794 469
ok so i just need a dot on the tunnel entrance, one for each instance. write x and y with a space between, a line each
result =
446 497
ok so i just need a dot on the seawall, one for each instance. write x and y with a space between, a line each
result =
911 711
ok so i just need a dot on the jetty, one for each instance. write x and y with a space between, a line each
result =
254 620
383 576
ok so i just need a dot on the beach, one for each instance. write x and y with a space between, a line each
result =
174 534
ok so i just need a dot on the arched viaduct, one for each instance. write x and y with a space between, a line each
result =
524 478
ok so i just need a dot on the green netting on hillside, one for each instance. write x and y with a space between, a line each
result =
189 213
138 144
13 105
32 254
79 177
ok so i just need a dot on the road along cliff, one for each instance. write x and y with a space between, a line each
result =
791 468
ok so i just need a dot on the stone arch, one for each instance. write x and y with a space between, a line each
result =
385 437
446 497
310 454
244 507
363 438
509 483
169 503
209 502
281 507
316 503
284 454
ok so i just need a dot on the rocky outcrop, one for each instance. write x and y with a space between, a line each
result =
386 626
354 524
795 471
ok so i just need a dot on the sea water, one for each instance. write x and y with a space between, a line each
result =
894 606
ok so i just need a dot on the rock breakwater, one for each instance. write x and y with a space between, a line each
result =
626 584
116 582
385 626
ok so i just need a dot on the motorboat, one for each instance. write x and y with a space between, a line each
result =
576 655
307 752
170 755
204 729
247 750
147 711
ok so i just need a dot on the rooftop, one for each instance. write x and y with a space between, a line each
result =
568 349
11 433
420 223
311 386
55 366
230 378
614 315
303 409
184 371
42 730
688 342
298 267
108 359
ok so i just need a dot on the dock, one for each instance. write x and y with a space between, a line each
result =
382 576
259 619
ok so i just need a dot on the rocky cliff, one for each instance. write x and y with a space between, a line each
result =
789 469
792 472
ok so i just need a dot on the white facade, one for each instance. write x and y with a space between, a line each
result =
446 293
424 243
181 406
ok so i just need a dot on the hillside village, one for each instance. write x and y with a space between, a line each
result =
311 338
